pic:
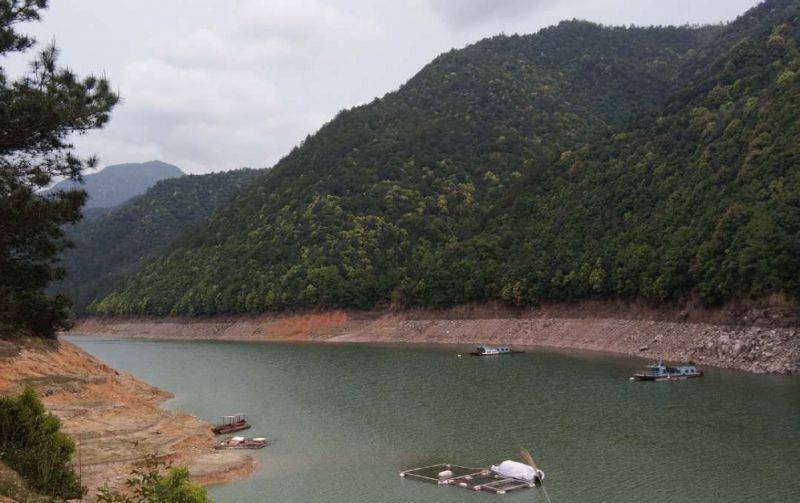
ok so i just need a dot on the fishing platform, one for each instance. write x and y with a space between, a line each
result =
243 443
475 479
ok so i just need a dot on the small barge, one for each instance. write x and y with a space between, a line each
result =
230 424
661 372
484 350
243 443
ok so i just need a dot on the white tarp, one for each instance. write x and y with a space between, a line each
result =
515 470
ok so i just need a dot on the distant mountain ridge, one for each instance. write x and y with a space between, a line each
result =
113 243
580 162
115 184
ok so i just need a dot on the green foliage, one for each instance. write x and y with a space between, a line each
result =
150 485
116 243
580 162
32 445
38 114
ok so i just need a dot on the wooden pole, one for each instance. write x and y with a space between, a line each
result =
529 459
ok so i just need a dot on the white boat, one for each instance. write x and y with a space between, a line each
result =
661 372
484 350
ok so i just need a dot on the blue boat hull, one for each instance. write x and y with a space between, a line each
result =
476 353
677 377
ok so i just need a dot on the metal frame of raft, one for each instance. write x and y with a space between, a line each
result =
477 479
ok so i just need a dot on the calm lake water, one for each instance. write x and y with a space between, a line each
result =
346 419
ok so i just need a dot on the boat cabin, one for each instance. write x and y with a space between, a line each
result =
230 424
486 350
490 350
659 370
233 419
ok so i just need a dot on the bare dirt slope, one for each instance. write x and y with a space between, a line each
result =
750 340
12 487
115 418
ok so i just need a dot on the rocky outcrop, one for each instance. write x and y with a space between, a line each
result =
752 349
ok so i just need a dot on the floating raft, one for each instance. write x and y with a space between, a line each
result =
476 479
243 443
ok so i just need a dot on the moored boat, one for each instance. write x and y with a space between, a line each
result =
662 372
230 424
243 443
484 350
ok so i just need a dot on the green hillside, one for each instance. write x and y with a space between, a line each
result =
115 243
701 200
583 161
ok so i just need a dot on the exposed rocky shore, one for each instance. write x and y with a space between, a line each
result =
763 341
115 419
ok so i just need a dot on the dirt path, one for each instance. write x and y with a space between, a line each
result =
115 419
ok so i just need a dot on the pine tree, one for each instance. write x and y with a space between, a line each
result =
39 113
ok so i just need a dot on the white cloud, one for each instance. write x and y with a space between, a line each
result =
113 142
308 20
461 13
207 97
159 87
201 119
206 48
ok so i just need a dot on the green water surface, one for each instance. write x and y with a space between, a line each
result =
346 419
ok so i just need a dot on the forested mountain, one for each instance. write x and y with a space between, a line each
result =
113 185
114 244
583 161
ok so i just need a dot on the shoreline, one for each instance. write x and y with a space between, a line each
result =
115 419
771 347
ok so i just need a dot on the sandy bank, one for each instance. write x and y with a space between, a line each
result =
115 418
753 341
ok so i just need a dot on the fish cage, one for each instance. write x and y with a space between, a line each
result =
475 479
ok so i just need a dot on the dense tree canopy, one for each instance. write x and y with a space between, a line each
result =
38 113
580 162
118 242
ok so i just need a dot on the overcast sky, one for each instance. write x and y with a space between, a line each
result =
212 85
